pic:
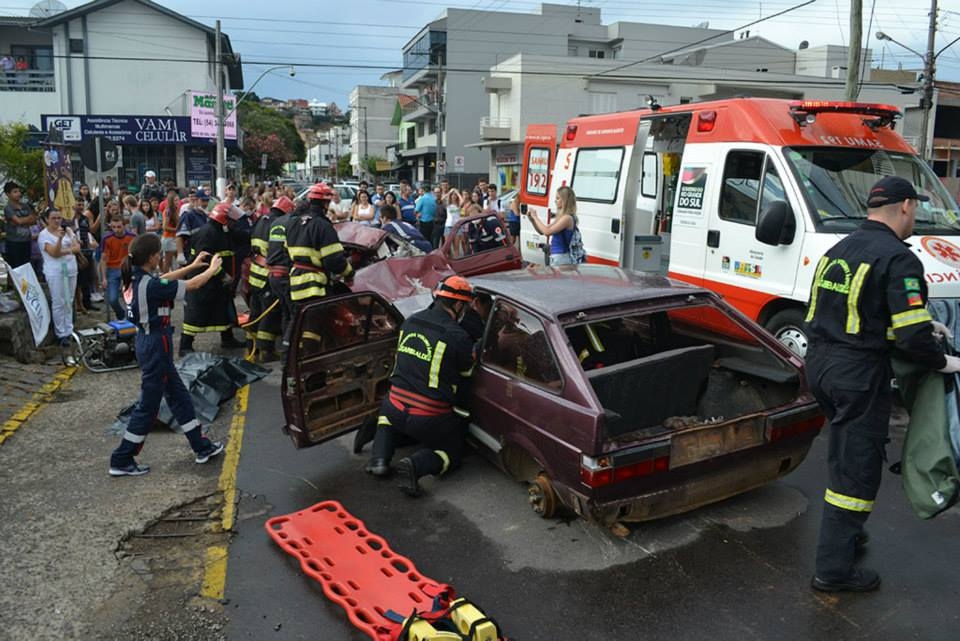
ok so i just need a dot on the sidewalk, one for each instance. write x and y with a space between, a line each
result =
89 556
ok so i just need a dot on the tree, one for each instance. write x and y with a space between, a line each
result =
259 124
344 166
18 163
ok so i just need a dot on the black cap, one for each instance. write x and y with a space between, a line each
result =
10 186
892 189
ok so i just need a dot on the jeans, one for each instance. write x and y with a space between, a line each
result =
113 293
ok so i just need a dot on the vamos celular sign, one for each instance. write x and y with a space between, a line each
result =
126 130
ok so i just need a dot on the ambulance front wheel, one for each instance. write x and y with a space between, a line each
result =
787 326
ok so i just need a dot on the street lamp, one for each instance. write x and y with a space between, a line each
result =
926 100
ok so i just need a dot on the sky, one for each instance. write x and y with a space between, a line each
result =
313 33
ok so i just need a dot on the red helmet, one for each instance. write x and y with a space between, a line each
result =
455 287
320 191
284 204
220 213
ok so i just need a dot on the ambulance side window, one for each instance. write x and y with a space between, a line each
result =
741 183
648 177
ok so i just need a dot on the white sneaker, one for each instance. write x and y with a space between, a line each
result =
96 297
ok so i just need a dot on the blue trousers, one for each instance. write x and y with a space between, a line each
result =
113 293
159 380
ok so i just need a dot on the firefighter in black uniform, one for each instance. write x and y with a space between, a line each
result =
264 314
210 308
315 252
278 266
867 300
434 355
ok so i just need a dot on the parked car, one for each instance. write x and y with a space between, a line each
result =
411 270
346 192
619 395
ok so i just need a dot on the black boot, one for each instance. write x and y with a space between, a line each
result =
227 340
186 345
364 435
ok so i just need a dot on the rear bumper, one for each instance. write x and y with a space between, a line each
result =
693 486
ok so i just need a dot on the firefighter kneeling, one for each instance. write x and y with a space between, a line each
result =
434 355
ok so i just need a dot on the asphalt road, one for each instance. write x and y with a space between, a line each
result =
739 569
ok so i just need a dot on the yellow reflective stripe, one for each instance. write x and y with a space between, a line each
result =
814 289
259 269
853 298
384 421
435 363
260 244
315 256
890 335
278 233
594 340
910 317
445 458
309 292
845 502
190 330
313 336
225 253
307 278
256 283
584 354
266 336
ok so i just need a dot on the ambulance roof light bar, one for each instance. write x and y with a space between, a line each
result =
805 112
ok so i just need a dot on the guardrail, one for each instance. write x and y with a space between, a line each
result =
29 80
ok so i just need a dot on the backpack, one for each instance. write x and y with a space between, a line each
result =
575 247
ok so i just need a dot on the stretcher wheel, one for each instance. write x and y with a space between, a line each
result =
542 497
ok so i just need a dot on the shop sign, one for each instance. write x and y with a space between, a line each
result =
127 130
203 115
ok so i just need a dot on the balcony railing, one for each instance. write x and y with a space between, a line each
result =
495 128
29 80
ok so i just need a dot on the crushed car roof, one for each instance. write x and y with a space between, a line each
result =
560 290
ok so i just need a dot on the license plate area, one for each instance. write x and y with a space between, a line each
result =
710 441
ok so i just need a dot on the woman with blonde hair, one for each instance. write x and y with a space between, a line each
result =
566 245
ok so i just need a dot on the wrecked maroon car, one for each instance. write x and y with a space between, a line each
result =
618 395
410 270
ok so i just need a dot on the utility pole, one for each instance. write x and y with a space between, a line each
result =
439 114
856 46
366 154
928 70
221 186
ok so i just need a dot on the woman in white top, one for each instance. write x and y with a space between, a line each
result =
152 222
454 201
363 210
59 247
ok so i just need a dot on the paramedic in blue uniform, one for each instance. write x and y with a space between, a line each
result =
153 299
867 302
434 357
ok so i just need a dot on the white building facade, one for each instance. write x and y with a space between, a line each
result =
371 125
108 68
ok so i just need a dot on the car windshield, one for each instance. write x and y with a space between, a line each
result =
836 182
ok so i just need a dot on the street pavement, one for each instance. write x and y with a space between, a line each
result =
738 569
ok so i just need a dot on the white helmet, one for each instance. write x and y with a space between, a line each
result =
150 174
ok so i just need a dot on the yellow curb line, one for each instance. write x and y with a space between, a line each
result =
215 561
38 400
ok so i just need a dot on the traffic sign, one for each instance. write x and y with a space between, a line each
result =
458 164
263 161
108 154
442 167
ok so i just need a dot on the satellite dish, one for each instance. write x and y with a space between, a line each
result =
47 8
803 45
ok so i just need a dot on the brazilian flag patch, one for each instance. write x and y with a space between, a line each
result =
914 299
911 284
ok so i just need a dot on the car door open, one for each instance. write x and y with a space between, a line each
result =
481 245
341 357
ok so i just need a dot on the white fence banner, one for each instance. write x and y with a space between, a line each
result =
34 301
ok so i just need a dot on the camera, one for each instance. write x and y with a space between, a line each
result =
523 208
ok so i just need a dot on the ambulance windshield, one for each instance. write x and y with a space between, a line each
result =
836 182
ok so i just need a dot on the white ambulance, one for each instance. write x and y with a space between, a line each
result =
741 196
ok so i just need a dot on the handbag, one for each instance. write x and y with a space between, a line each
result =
82 262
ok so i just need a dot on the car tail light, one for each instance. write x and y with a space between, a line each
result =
598 472
706 121
785 430
571 132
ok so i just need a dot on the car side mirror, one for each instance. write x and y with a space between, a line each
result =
776 224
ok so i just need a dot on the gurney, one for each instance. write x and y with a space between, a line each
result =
381 591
